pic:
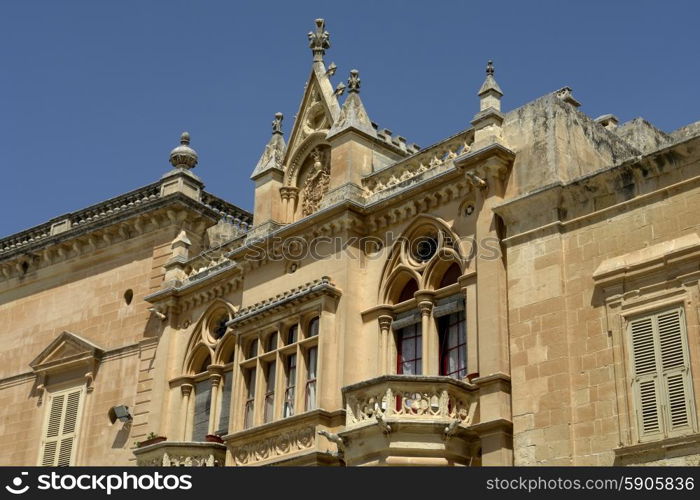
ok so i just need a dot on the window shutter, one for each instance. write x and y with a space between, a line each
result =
676 370
62 428
661 382
645 376
202 404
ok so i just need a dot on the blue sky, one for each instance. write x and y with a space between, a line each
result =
94 94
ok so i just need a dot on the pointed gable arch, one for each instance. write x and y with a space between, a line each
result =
318 110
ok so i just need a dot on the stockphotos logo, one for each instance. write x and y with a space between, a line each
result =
107 483
16 488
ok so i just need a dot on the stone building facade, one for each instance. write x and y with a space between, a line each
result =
523 292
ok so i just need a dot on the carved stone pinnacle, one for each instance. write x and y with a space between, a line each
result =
319 40
277 123
354 81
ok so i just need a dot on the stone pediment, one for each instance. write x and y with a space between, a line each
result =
66 351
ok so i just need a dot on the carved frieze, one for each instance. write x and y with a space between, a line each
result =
274 446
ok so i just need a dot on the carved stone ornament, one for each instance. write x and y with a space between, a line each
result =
316 184
270 447
319 40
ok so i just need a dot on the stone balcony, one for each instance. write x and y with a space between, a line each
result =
411 420
181 454
290 441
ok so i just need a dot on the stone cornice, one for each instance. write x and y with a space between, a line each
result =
105 231
113 211
183 296
293 297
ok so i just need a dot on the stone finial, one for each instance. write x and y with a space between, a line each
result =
488 121
490 86
353 113
183 156
354 81
319 40
277 124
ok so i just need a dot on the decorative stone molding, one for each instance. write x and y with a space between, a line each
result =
406 171
284 443
66 352
409 397
290 298
108 223
181 454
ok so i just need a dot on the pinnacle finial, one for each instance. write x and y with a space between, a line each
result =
319 40
183 156
277 124
354 81
489 68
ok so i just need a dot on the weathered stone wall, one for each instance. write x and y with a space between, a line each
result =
84 296
569 380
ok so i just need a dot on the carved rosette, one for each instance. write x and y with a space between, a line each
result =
275 446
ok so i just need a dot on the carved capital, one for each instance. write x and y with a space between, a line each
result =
186 389
385 322
425 308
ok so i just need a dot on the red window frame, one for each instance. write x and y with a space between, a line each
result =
455 322
409 334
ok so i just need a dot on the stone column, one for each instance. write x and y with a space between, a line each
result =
292 203
284 193
186 390
214 410
384 332
428 335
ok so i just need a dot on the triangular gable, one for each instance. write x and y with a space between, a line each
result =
66 351
318 97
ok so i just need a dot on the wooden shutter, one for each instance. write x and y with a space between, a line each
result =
202 407
661 380
62 428
645 376
676 371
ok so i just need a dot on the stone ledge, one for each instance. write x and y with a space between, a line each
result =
658 452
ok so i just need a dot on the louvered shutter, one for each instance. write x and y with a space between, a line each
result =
62 428
676 371
645 376
661 380
202 407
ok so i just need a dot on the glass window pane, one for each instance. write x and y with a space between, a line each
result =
453 345
272 342
409 349
313 327
292 334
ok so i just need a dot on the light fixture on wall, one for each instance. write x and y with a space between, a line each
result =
120 413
